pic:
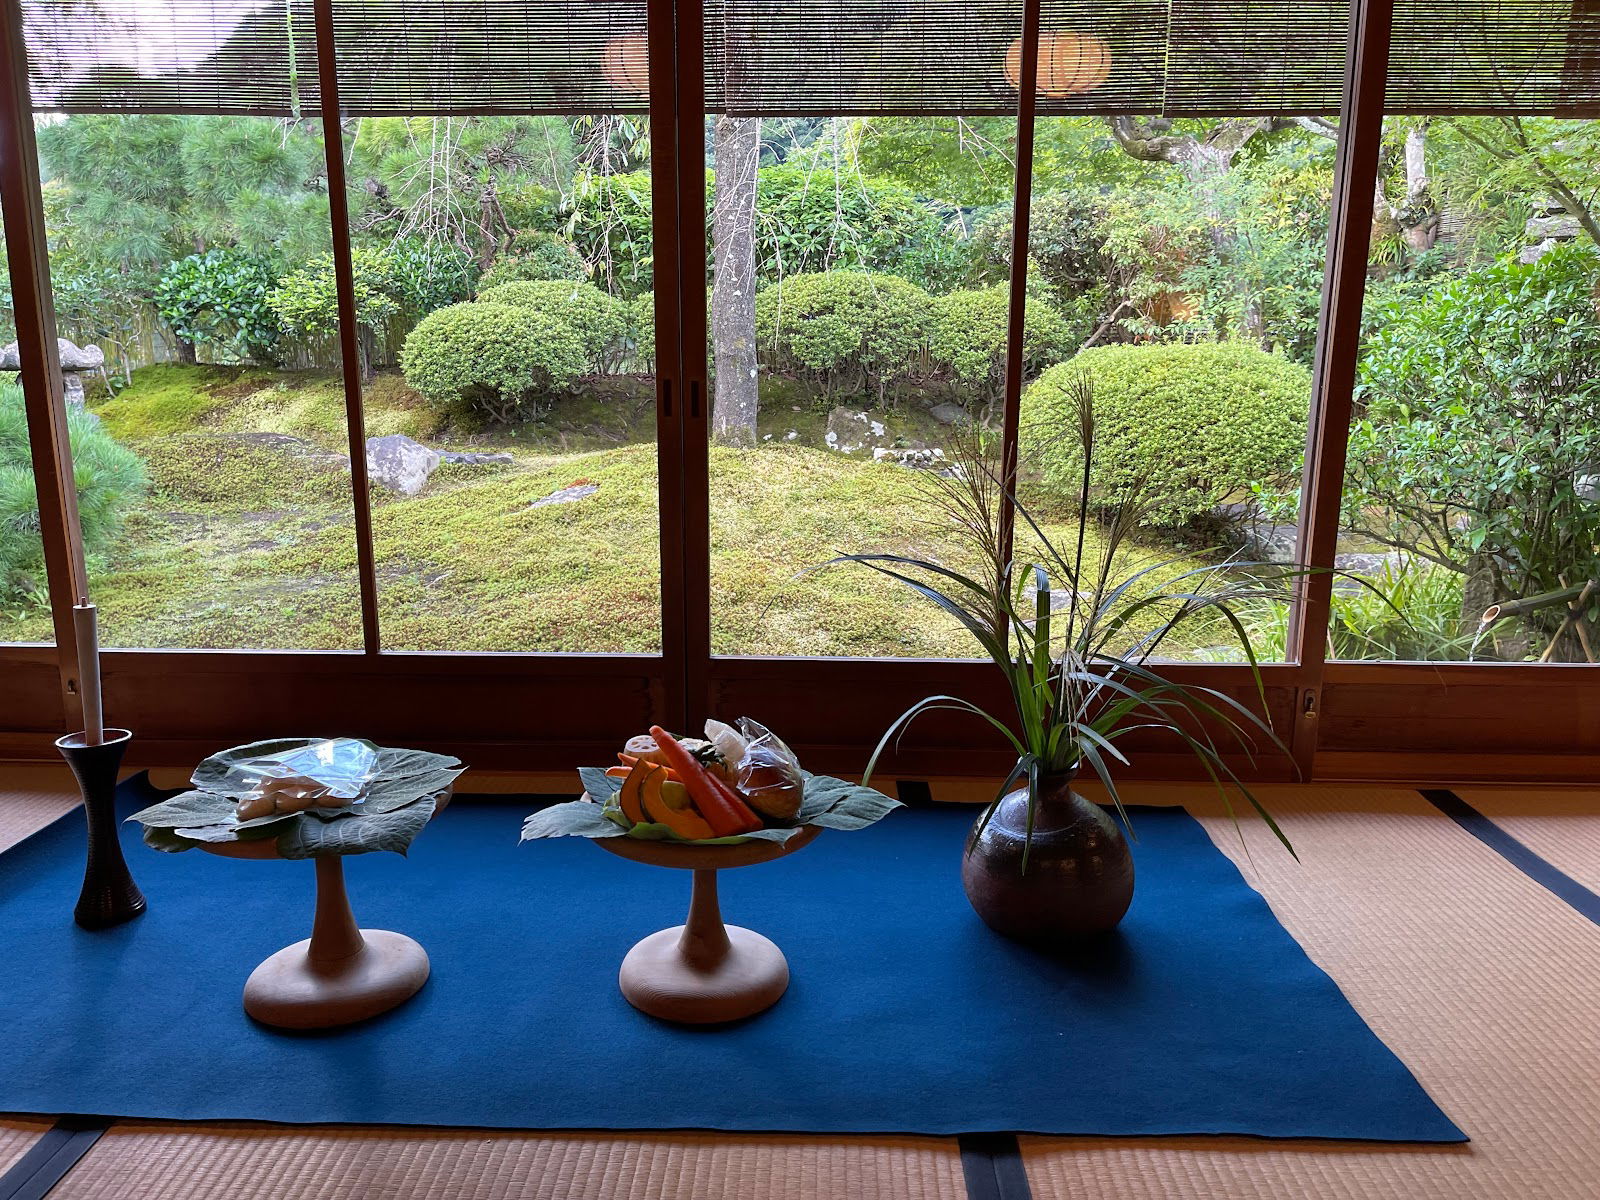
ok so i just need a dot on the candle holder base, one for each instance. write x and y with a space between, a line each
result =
109 896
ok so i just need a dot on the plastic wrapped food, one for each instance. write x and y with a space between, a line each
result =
329 774
768 774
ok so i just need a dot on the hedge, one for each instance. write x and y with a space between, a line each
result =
1188 426
849 330
502 360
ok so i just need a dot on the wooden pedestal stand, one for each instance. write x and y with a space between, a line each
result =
341 973
704 972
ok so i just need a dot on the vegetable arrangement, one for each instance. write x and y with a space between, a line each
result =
728 787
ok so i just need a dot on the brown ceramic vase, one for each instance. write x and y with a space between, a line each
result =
1078 881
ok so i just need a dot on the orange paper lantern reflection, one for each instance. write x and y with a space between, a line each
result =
1070 64
625 63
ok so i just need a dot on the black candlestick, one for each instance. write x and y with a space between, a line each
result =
109 895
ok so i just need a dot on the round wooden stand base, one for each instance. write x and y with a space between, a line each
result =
669 976
293 990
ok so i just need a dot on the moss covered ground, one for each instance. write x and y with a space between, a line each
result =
246 540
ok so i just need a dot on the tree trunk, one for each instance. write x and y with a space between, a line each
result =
737 153
186 354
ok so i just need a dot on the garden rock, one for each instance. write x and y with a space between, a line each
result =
568 494
400 464
75 361
948 414
919 459
465 459
851 431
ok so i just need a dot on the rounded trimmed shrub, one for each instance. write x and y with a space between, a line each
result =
968 341
538 256
1186 425
851 330
497 359
599 321
109 478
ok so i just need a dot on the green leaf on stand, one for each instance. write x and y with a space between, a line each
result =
365 834
576 818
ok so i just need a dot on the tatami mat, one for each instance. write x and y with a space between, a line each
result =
238 1162
16 1135
32 797
1485 984
1560 826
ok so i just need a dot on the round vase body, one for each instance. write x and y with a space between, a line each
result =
1079 875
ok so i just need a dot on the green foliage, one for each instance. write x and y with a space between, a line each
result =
1190 425
109 478
1066 233
497 359
968 338
642 329
430 275
598 321
219 299
1480 415
537 256
1410 613
850 331
608 220
307 302
811 219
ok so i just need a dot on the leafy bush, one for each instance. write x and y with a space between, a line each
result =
1480 421
307 302
538 256
109 478
968 340
609 222
851 331
1066 239
599 321
809 219
498 359
430 275
1196 423
642 327
219 299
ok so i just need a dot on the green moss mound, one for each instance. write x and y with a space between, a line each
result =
1187 426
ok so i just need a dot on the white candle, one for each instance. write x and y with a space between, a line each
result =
83 621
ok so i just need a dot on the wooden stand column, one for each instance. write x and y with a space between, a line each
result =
704 972
341 973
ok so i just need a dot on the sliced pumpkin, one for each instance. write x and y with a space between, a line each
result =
631 797
683 821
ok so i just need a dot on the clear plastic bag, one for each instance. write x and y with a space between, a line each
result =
328 774
768 774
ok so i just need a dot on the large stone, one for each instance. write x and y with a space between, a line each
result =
400 464
469 459
949 414
851 431
568 494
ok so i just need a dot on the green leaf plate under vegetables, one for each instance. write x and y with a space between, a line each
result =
828 802
392 810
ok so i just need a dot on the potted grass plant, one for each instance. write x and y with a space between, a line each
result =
1077 625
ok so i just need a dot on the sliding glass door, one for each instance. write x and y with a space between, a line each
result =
507 375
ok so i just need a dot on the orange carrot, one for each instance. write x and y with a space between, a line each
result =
725 814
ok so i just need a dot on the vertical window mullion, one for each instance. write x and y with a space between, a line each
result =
349 349
1338 345
34 307
1027 103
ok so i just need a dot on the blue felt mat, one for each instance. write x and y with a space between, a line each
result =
905 1013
